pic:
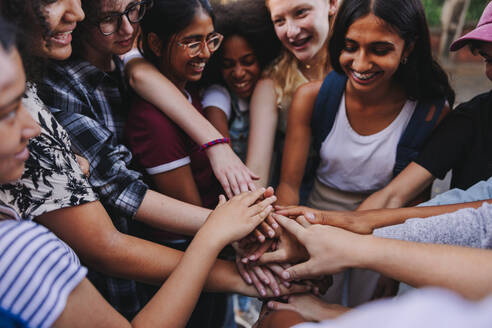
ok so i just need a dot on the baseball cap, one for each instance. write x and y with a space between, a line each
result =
483 31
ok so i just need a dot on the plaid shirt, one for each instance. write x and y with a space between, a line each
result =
90 105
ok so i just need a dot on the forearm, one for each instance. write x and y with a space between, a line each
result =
387 217
287 194
169 214
174 302
464 270
154 87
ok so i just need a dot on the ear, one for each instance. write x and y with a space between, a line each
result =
333 7
155 44
408 49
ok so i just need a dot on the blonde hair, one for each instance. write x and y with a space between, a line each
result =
287 77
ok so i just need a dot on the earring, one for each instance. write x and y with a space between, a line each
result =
404 60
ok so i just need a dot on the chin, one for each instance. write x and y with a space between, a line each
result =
59 54
11 175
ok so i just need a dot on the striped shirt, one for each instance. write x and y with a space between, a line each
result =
37 272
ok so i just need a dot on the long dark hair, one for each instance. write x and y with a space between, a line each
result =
421 77
21 13
249 19
166 19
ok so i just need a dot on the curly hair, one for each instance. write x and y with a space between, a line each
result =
21 14
250 20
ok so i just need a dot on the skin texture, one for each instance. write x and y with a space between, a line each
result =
63 17
16 125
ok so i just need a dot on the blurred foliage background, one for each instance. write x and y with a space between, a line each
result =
433 10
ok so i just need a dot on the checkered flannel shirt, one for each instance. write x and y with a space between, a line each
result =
92 106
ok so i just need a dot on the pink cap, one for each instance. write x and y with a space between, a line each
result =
483 31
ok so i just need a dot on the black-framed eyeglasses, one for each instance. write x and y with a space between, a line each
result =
194 48
134 13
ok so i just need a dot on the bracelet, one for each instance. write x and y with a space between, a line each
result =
215 142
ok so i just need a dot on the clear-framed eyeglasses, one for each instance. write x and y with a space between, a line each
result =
134 13
194 48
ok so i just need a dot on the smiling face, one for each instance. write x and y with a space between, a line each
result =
240 67
121 41
182 68
372 54
16 124
62 17
301 25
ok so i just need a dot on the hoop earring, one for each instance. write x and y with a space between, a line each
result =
404 60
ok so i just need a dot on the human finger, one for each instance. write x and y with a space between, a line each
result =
273 282
277 269
258 285
266 229
290 225
274 305
302 221
273 257
224 182
299 271
241 268
233 183
260 274
271 221
260 250
222 200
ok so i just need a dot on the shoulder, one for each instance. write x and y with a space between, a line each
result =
478 104
309 89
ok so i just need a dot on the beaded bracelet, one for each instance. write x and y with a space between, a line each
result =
215 142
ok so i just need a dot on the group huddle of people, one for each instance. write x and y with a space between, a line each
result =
140 141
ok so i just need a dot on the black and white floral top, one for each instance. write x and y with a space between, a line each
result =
52 178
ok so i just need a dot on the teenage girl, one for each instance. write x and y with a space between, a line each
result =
249 45
380 53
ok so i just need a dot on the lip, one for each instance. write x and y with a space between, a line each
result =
242 87
23 155
301 43
197 69
125 43
358 80
62 38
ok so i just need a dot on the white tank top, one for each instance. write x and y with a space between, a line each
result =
355 163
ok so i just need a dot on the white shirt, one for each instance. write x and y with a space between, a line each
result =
426 308
218 96
355 163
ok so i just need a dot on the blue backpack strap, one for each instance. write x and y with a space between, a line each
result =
416 133
326 107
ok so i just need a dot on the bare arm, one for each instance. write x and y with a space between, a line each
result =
401 190
297 143
464 270
178 184
154 87
218 119
263 126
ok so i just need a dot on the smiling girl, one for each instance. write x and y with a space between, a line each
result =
371 116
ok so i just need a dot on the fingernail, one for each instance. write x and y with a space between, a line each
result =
244 260
287 284
271 233
248 280
252 258
275 225
285 275
270 305
309 216
262 292
261 238
276 292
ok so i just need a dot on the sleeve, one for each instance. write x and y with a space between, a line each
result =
157 143
37 273
117 185
467 227
132 54
479 191
447 145
52 178
217 96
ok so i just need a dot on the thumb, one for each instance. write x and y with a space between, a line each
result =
310 217
299 271
222 200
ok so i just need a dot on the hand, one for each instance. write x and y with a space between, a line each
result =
352 221
232 220
260 277
288 249
310 307
231 172
267 227
84 165
330 249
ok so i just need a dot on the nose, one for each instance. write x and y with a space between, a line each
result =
74 12
204 51
292 29
361 62
30 128
238 72
126 27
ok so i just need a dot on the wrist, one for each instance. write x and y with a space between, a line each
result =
362 252
214 143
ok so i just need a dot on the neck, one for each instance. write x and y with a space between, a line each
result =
391 92
103 61
317 67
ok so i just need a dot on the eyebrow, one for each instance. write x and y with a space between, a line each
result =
14 101
116 12
197 36
376 43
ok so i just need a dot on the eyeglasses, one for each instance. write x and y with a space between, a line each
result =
194 48
112 23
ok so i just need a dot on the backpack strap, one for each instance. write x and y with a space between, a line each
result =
326 107
416 133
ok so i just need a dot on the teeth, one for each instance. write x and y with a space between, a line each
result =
363 76
198 65
63 35
241 85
